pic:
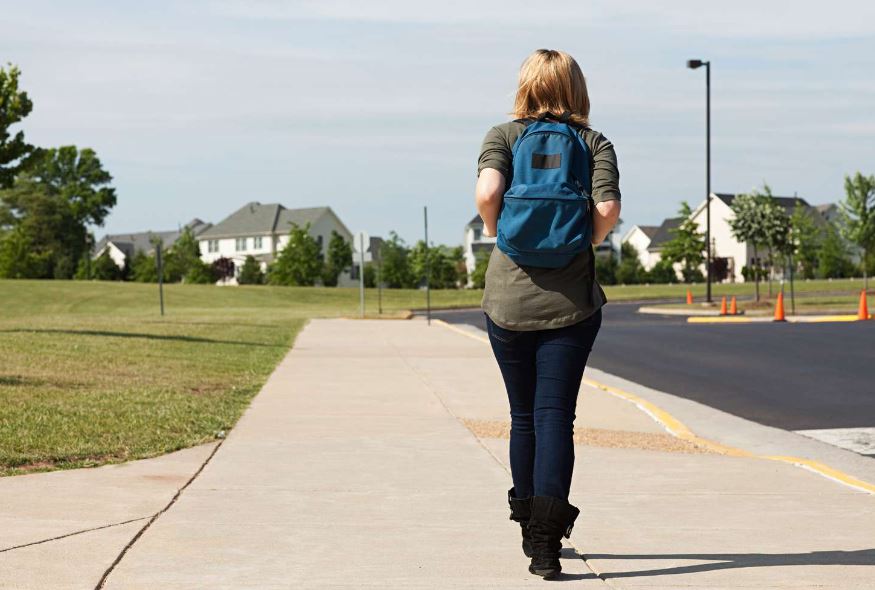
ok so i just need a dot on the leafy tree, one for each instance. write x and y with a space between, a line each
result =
606 269
45 223
104 268
687 247
184 258
805 239
478 276
442 272
629 271
250 272
751 224
300 262
662 272
199 273
144 268
14 106
370 278
223 268
61 193
833 260
19 257
339 259
858 217
396 272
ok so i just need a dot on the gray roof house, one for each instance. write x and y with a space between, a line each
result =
262 230
663 233
123 247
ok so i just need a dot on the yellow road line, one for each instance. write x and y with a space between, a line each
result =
721 320
677 428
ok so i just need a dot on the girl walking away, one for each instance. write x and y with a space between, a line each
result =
548 190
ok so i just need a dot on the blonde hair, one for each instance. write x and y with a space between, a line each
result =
551 82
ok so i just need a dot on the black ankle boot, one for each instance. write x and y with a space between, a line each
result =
552 518
521 511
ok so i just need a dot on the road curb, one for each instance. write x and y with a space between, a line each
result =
677 428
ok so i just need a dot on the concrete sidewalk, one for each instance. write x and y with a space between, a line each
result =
374 457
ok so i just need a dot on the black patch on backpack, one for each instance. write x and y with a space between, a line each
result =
544 161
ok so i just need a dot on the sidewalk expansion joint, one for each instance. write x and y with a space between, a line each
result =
102 582
73 534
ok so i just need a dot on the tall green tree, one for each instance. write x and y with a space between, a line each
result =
630 271
250 272
858 217
395 270
478 275
339 259
761 223
14 106
442 272
299 262
144 268
20 258
62 192
182 261
687 247
805 239
833 258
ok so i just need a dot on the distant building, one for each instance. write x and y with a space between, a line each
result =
729 256
262 231
123 247
640 238
476 245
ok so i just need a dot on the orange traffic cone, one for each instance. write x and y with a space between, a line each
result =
779 308
733 308
689 297
863 310
723 306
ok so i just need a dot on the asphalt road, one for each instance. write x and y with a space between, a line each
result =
791 376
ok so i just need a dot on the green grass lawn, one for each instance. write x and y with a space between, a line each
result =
90 373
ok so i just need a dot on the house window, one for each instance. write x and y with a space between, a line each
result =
477 233
240 244
319 241
212 245
256 243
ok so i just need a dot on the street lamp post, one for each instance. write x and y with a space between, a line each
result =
695 64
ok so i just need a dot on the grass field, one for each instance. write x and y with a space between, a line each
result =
90 373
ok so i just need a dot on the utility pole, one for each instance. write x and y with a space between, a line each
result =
159 263
427 289
695 64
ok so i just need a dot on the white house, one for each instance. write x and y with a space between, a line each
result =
476 244
262 231
640 238
123 247
728 254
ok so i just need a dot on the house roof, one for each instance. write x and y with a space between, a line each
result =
664 233
475 221
254 219
647 230
132 243
788 203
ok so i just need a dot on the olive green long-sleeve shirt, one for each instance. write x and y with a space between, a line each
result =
530 298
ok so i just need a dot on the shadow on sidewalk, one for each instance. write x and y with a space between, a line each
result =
738 560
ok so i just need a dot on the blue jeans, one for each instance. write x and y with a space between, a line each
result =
542 370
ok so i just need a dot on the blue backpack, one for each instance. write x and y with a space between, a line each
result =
546 215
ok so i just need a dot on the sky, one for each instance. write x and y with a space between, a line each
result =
378 108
